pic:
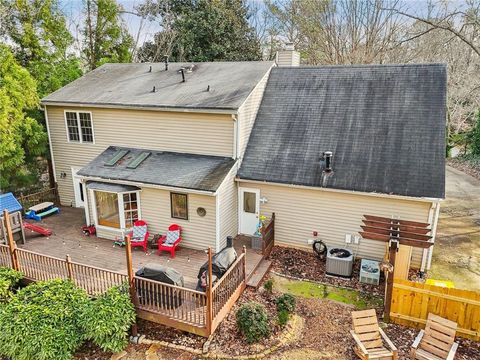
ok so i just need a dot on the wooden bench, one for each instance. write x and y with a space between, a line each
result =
370 338
437 341
39 211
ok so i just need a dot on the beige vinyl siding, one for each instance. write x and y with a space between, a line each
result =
228 208
300 211
197 232
247 114
197 133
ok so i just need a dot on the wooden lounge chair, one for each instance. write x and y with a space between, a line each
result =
437 341
370 338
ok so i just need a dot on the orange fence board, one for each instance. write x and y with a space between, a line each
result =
412 302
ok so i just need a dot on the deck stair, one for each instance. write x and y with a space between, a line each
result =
259 273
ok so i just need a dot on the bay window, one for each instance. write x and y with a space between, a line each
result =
117 210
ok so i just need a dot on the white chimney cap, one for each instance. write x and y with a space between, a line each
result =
289 46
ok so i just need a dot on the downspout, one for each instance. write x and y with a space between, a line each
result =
235 136
431 213
434 234
86 202
217 223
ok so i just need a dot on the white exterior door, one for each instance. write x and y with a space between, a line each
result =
249 210
78 188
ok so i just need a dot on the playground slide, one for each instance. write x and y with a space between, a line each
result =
37 229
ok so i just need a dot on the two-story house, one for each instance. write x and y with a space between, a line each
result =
212 146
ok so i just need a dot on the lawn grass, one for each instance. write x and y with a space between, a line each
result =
312 290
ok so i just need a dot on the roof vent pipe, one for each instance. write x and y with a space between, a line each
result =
165 59
150 70
154 90
182 71
327 155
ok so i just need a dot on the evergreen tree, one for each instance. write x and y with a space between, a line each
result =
22 138
106 38
204 30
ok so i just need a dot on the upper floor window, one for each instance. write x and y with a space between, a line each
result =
79 126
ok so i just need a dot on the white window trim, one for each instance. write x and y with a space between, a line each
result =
120 206
78 126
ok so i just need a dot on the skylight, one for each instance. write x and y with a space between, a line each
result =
116 157
138 160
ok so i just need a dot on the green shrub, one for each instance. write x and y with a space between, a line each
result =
268 285
41 321
8 279
283 317
107 319
252 321
286 302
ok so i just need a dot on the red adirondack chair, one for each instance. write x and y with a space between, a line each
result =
139 235
170 241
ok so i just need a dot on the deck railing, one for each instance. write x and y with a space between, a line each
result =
39 267
182 308
5 258
268 237
227 290
29 200
175 303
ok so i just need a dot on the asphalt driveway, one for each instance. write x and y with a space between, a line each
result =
456 254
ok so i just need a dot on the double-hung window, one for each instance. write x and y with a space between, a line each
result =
79 126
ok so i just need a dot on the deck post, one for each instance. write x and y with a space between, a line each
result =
244 251
209 293
68 262
11 242
131 280
393 248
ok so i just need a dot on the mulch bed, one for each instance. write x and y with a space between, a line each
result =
403 337
229 340
160 332
306 265
328 325
90 351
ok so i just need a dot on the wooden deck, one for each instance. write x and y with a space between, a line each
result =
67 238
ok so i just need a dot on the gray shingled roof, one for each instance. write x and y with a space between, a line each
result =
188 171
385 125
132 84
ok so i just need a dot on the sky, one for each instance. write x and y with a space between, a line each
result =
73 11
147 29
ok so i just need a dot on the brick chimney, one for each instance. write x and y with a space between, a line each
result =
288 56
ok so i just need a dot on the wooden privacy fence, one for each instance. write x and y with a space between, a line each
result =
179 307
412 302
268 237
29 200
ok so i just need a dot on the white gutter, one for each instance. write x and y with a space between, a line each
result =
350 192
134 107
50 145
235 136
139 184
434 234
217 223
431 213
